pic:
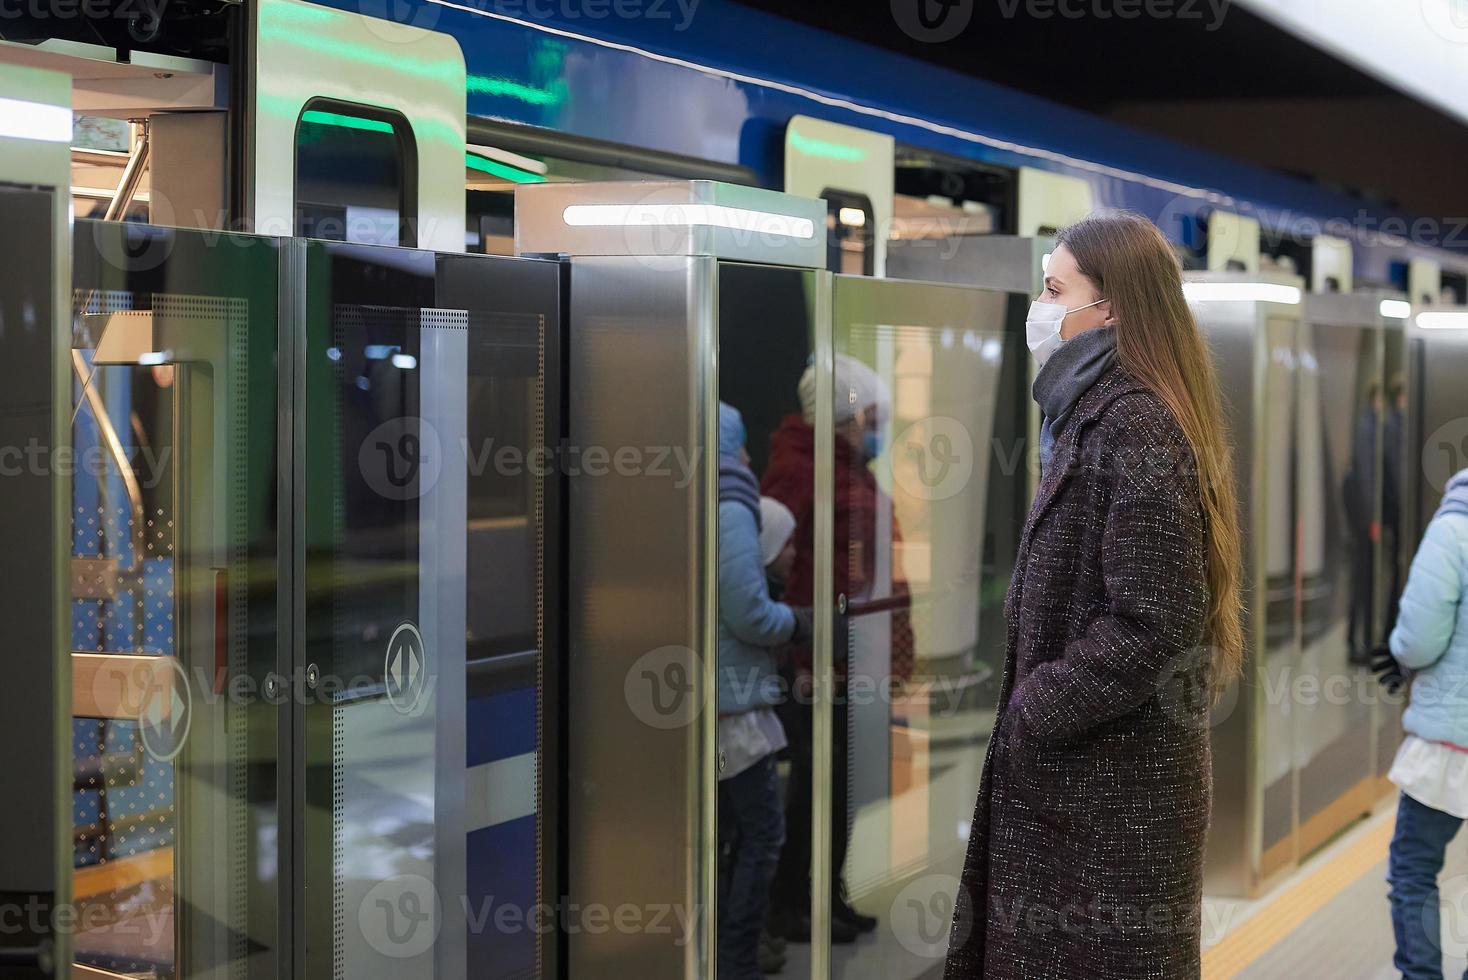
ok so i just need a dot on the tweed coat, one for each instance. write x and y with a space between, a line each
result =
1085 855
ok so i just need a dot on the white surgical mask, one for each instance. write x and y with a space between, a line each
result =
1042 327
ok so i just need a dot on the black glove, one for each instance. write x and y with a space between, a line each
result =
804 626
1388 671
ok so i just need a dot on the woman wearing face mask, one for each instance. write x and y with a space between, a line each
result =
1085 856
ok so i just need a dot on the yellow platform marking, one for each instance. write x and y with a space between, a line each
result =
1287 911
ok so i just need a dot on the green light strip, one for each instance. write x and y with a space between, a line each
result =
346 122
823 148
504 88
502 170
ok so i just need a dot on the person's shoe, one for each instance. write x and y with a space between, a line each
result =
769 961
768 938
796 928
842 912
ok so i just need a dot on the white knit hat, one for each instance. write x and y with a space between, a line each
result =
855 386
776 524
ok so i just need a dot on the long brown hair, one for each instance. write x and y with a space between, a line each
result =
1159 344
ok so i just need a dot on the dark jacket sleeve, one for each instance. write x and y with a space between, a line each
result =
1153 564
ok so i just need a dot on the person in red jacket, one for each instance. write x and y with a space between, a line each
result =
861 401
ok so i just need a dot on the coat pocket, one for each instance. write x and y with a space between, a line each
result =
1049 779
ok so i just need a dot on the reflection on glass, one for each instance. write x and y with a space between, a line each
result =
1340 410
510 840
765 583
1395 551
379 463
172 603
928 491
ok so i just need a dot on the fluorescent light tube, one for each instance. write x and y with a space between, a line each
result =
1240 292
25 120
1443 320
687 216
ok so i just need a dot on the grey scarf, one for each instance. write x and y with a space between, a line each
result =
1067 375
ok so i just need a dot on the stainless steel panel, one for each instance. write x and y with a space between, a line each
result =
641 612
1254 816
32 408
1234 832
34 177
1438 363
188 167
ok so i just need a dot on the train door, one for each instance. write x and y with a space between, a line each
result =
35 134
851 169
355 128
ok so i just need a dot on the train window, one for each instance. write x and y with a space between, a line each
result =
1454 288
942 196
1286 254
850 233
356 175
936 217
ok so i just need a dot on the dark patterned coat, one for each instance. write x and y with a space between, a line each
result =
1085 857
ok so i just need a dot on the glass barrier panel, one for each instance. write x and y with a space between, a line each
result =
930 489
173 603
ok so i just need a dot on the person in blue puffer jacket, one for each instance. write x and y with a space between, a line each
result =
1431 767
751 628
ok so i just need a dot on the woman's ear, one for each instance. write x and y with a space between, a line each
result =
1105 309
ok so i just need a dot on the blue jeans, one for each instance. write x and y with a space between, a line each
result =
753 821
1422 836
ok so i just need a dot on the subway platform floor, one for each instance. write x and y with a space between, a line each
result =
1330 918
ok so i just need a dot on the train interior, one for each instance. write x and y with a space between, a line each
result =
383 572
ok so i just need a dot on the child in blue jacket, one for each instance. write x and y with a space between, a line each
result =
1431 767
752 627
